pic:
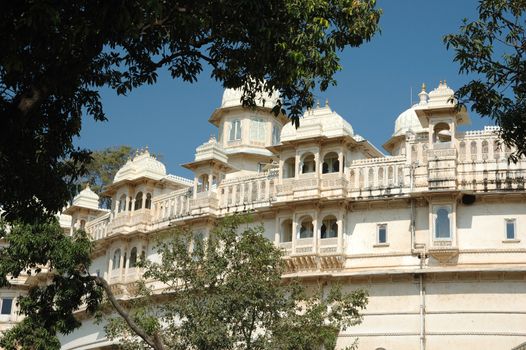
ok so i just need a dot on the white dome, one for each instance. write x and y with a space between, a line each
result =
143 164
232 98
86 199
408 121
320 121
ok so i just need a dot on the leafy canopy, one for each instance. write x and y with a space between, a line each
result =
57 55
493 48
42 252
227 292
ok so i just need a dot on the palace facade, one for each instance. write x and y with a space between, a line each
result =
435 230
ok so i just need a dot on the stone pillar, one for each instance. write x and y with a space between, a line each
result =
340 161
210 181
297 171
294 232
127 206
341 223
315 233
195 187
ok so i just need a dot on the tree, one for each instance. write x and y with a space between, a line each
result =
493 48
226 292
102 167
56 55
60 263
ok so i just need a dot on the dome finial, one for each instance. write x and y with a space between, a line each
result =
424 87
318 103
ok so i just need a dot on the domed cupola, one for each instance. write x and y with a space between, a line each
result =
408 121
318 122
232 98
142 165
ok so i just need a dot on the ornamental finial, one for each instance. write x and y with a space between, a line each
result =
424 87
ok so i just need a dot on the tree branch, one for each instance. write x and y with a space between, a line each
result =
155 343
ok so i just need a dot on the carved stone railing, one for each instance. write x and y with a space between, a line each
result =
97 228
172 205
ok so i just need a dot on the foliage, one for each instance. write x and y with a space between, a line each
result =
56 55
493 48
60 263
102 167
227 292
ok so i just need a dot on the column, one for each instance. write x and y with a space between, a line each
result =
315 233
340 161
341 223
297 171
127 206
195 187
294 232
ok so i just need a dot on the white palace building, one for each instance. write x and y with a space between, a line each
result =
435 230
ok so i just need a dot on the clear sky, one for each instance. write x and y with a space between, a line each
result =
171 117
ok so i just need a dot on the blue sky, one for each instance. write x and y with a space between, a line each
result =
171 117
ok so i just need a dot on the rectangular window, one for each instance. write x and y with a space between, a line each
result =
257 129
7 304
510 229
235 130
382 233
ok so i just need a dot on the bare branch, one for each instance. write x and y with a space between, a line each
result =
155 343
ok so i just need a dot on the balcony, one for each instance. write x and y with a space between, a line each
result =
124 222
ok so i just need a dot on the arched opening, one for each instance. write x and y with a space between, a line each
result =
331 164
381 176
442 224
485 149
329 227
148 202
496 150
82 224
133 257
390 176
116 263
122 203
286 231
370 178
289 168
308 165
202 183
138 201
360 178
306 228
462 150
442 133
473 150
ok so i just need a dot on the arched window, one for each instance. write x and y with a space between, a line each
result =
390 175
138 201
133 257
286 231
276 135
473 150
308 165
442 133
352 178
331 164
370 178
462 150
400 176
235 130
122 203
442 223
130 204
424 152
306 228
116 259
360 178
485 149
329 227
82 224
257 129
414 153
148 203
289 168
381 176
496 150
202 183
